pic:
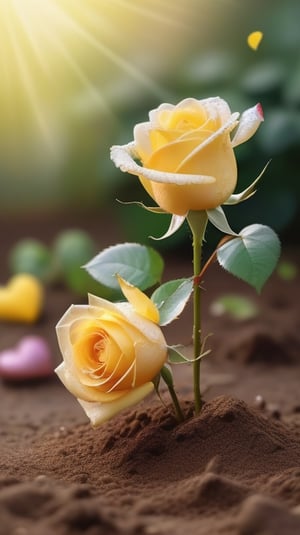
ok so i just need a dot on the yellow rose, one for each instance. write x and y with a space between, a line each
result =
111 352
186 152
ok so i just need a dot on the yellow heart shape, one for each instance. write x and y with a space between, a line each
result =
21 299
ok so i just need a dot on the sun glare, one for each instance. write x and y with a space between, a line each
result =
57 53
52 50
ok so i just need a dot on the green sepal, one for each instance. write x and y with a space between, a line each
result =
236 198
218 218
175 224
176 357
153 209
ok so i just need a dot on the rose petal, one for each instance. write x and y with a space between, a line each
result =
154 114
84 392
254 39
99 413
227 127
147 328
215 107
248 124
122 156
102 304
168 158
139 301
79 313
142 140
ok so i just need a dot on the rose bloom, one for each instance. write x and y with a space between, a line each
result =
186 153
111 352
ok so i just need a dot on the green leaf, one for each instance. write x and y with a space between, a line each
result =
140 265
171 298
252 256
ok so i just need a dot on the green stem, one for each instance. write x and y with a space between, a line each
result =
197 222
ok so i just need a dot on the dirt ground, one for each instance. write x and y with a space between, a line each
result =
233 470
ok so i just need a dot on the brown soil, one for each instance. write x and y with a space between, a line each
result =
233 470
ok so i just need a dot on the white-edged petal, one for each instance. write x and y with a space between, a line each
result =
189 102
99 413
73 314
216 107
103 304
248 124
122 156
154 113
142 138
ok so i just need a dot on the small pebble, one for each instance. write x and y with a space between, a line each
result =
40 478
61 432
259 402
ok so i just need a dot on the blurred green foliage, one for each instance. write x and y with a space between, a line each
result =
215 62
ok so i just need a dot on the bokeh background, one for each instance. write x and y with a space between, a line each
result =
76 77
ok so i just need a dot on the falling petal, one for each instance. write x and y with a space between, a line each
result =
254 39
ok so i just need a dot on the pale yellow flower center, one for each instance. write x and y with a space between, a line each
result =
99 360
182 119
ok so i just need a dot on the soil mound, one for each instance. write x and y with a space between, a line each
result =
209 470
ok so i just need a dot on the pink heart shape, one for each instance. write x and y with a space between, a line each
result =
30 359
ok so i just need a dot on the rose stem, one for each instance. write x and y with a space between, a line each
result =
197 222
212 258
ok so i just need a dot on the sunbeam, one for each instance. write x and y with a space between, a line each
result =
56 52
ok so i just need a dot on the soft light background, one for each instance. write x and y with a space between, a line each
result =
77 75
